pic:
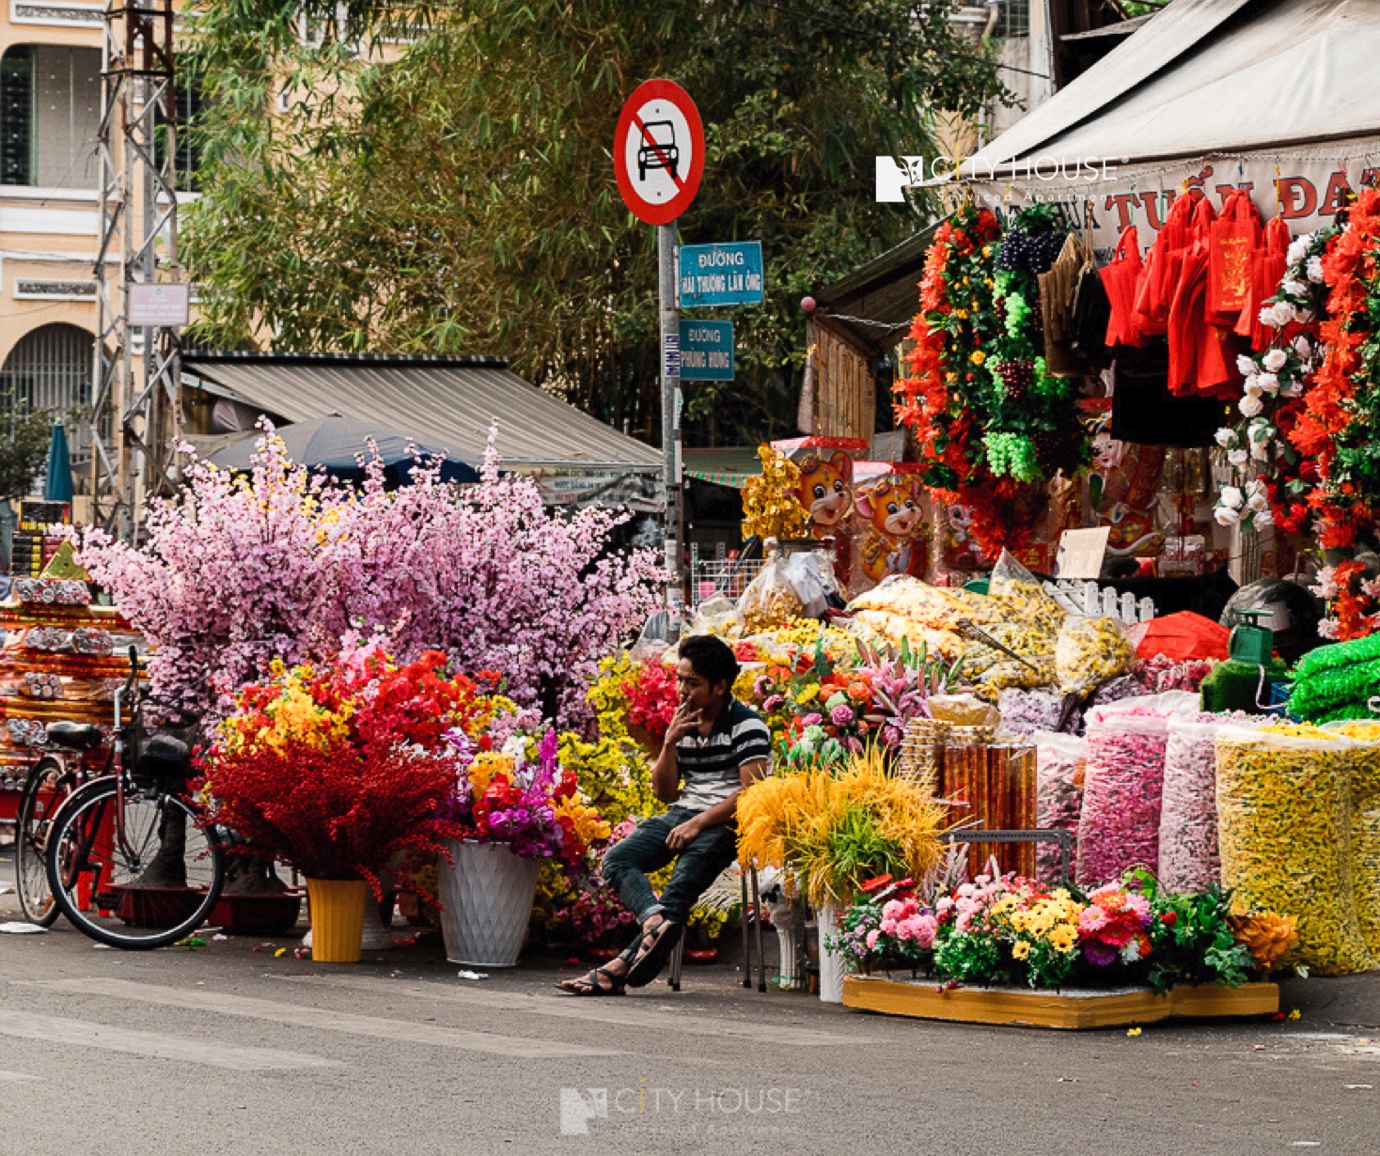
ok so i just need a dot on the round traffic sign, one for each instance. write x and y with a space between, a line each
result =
658 151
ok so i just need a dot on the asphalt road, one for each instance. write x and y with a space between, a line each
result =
228 1049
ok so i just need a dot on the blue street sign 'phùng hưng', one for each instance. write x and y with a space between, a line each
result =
729 273
706 350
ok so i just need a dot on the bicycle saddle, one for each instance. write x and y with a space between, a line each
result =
75 736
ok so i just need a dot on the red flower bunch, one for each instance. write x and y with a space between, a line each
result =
1345 514
343 814
337 768
652 697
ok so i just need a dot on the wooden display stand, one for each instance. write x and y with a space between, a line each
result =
57 662
1069 1010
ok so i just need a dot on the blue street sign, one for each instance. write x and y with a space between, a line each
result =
723 274
706 350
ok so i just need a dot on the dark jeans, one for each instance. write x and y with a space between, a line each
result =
628 863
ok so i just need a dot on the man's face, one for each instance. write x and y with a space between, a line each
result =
696 692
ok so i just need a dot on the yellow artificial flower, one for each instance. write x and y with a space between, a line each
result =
977 357
1020 949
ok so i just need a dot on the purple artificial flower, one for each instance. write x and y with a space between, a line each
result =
813 719
773 703
1099 954
841 715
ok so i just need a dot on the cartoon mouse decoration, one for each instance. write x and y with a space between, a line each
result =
893 520
824 491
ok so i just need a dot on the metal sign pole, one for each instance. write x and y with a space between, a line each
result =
670 410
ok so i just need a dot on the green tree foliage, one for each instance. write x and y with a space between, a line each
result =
24 437
461 197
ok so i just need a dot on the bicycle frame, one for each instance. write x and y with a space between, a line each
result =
114 764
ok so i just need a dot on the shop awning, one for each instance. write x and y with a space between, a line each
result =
726 466
446 403
877 302
1280 95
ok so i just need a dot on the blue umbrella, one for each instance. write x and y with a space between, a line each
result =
58 487
332 443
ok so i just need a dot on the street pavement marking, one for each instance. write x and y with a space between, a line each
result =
84 1034
324 1019
601 1010
15 1077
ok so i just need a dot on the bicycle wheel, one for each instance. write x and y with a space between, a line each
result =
48 785
137 877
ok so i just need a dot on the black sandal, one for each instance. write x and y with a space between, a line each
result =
648 965
592 986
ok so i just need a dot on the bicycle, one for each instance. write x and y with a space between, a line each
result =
50 782
130 862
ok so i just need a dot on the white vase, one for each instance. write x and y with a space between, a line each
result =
486 902
831 964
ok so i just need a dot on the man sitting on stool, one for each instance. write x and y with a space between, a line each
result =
717 746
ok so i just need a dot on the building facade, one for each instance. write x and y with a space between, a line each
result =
50 107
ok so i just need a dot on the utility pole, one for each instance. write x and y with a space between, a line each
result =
136 412
671 410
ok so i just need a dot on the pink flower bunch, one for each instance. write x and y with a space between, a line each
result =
1114 925
906 920
971 900
238 570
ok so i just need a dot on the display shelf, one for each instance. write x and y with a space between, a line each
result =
1067 1010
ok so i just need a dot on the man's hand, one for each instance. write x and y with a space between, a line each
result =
683 722
681 837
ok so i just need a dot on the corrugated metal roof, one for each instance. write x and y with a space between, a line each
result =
449 402
878 301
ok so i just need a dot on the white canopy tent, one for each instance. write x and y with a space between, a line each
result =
1280 95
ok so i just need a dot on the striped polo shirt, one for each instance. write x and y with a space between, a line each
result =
710 765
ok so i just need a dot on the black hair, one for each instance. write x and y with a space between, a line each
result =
711 658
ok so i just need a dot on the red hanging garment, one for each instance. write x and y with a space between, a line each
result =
1185 320
1214 364
1119 278
1232 241
1268 264
1160 273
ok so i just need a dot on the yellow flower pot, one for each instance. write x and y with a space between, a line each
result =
337 918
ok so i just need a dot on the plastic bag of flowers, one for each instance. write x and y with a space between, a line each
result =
1028 712
1119 826
1089 652
1284 820
1061 764
1020 598
1189 859
1365 826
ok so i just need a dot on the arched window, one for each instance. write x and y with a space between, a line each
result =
50 109
51 369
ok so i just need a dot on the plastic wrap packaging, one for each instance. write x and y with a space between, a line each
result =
1189 858
717 616
904 607
1026 712
963 710
1089 652
1365 827
1021 599
1063 762
769 600
1284 821
1119 826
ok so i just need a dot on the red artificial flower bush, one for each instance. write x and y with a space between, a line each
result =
336 815
339 769
652 696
